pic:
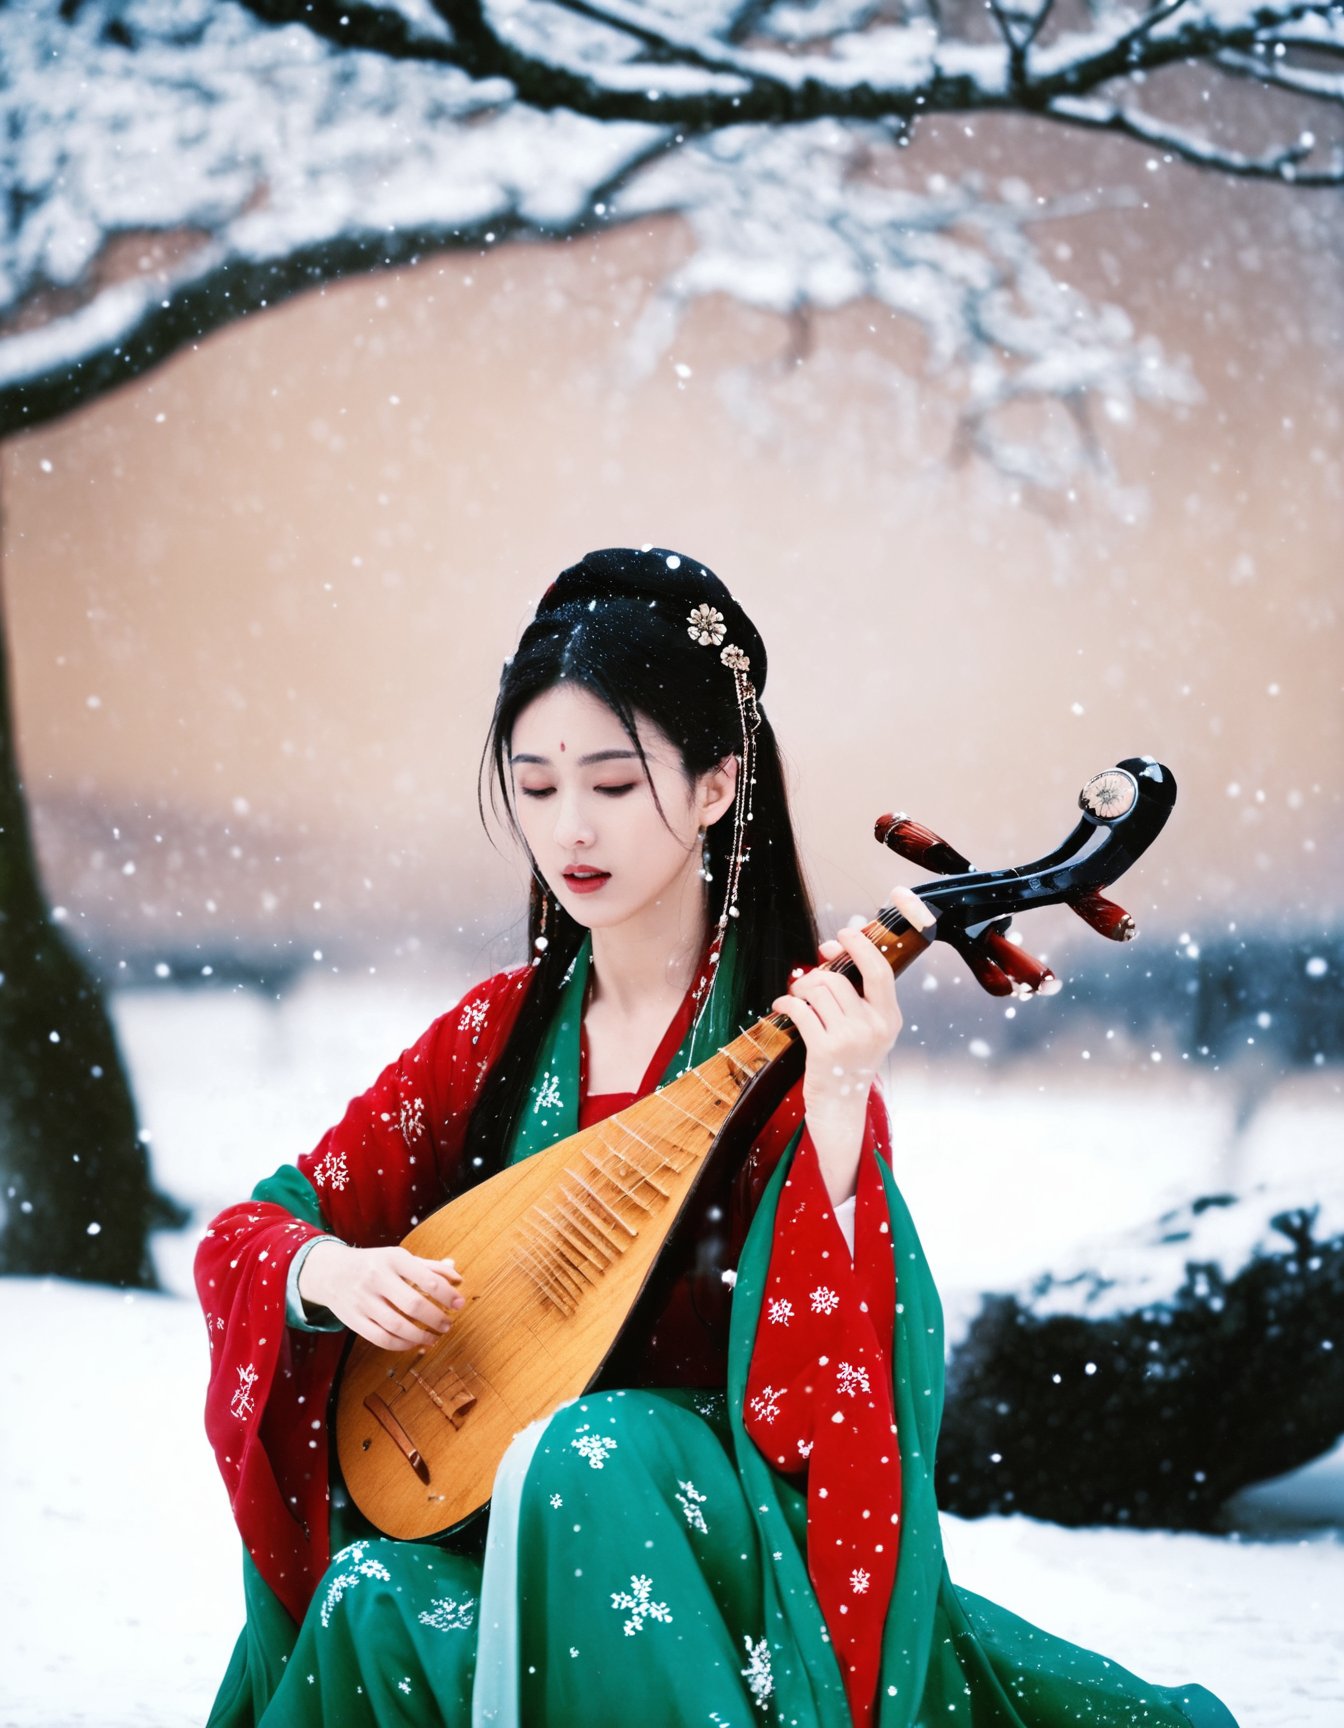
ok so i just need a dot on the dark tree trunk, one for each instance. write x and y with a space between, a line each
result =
1153 1412
76 1199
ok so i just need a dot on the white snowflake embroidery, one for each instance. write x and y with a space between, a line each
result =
242 1404
332 1171
757 1674
765 1404
780 1311
851 1380
805 1448
557 1500
636 1599
859 1581
447 1614
548 1094
593 1447
404 1685
691 1500
824 1300
412 1120
474 1016
343 1581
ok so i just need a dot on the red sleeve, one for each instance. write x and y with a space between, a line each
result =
390 1159
382 1167
820 1399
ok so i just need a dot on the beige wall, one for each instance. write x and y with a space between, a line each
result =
285 568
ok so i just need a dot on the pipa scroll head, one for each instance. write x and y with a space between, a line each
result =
1109 796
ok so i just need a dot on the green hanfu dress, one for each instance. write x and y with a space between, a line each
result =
643 1559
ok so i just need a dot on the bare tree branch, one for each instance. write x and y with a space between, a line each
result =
1037 23
1322 86
360 25
700 82
277 144
1281 164
671 46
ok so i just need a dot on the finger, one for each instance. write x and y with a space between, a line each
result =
408 1298
804 1017
384 1337
408 1326
410 1265
420 1307
821 1000
430 1278
832 995
913 910
879 982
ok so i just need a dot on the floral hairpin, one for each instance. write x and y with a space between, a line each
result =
706 626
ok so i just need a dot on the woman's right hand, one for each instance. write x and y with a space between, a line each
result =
390 1296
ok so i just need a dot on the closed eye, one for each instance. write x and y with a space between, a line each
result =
607 791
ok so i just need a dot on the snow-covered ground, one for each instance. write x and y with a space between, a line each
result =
122 1596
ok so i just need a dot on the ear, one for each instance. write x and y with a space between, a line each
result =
716 791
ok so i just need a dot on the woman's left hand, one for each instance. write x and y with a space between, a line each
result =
847 1037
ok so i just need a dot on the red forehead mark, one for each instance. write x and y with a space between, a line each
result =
562 746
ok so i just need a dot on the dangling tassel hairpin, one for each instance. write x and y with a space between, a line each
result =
706 627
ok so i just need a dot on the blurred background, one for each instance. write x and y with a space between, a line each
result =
1021 445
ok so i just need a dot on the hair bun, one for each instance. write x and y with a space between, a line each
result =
673 582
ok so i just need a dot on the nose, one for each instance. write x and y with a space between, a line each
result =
573 823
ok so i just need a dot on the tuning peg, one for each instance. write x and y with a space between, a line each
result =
1105 917
987 974
920 845
1032 976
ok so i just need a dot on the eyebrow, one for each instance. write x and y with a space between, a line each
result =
584 761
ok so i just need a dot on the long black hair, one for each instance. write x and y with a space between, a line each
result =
618 625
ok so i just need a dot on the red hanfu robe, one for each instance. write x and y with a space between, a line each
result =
390 1161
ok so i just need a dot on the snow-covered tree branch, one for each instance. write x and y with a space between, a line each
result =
173 165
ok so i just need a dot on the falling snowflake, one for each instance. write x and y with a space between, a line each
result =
360 1567
332 1172
447 1614
404 1684
548 1095
636 1599
242 1404
780 1311
859 1581
412 1120
824 1300
765 1405
757 1675
851 1380
474 1016
805 1448
691 1500
593 1447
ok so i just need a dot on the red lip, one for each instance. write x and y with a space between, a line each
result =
586 884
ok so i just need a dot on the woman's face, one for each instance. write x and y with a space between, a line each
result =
587 810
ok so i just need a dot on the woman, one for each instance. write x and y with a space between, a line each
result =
743 1526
